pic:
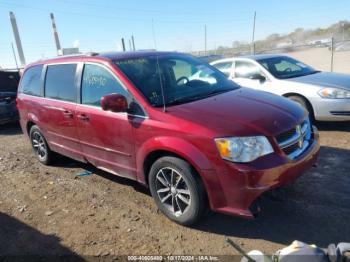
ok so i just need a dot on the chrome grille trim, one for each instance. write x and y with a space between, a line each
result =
300 139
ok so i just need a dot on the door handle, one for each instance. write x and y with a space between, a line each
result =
67 114
83 117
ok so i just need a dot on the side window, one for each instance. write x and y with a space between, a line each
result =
60 82
224 67
30 83
98 82
245 69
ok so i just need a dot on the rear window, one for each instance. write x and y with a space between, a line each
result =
30 83
60 82
9 81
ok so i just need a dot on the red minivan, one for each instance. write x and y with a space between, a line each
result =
171 122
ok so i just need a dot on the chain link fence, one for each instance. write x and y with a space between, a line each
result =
323 55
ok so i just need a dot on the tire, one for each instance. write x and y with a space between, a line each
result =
184 200
40 146
303 103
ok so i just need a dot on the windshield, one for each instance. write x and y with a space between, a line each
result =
283 67
183 78
9 81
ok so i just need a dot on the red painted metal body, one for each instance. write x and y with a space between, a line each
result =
121 143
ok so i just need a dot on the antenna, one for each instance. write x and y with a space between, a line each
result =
158 67
17 39
55 34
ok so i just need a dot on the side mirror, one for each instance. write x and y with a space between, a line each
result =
114 102
259 77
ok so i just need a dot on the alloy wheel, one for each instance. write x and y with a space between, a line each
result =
173 191
39 145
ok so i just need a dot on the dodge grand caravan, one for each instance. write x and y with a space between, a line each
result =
195 141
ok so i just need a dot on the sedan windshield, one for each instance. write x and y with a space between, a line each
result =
181 77
283 67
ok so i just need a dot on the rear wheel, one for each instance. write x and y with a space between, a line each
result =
177 190
40 146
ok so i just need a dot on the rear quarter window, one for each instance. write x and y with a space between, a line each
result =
30 83
60 82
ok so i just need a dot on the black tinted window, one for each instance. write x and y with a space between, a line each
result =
9 81
30 83
98 82
59 83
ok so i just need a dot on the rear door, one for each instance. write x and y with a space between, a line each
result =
58 115
225 67
106 137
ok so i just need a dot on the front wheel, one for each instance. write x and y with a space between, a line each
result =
303 103
177 190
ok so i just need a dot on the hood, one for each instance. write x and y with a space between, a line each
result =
242 112
325 79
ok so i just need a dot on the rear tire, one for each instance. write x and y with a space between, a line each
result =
177 190
305 104
40 146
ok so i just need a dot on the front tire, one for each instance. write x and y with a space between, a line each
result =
40 146
177 190
303 103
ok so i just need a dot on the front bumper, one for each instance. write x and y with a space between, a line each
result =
331 109
241 184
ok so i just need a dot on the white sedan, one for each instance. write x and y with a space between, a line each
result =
325 95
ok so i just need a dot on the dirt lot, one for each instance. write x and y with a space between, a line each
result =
49 210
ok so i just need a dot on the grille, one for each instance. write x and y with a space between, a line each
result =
290 149
284 136
296 140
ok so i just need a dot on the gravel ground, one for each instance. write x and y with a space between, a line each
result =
51 211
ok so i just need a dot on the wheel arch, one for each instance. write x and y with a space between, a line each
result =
169 146
310 107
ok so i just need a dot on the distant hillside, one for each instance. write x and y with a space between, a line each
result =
287 42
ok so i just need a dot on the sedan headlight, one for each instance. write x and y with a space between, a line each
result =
331 92
243 149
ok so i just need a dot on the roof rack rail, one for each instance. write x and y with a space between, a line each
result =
91 54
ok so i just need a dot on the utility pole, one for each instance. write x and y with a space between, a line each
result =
14 55
130 47
332 53
123 44
17 39
133 42
253 36
205 39
55 35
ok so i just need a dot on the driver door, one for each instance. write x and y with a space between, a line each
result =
106 137
244 72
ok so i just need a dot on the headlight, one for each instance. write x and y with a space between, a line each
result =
243 149
331 92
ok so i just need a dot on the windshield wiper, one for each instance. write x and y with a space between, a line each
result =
182 100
